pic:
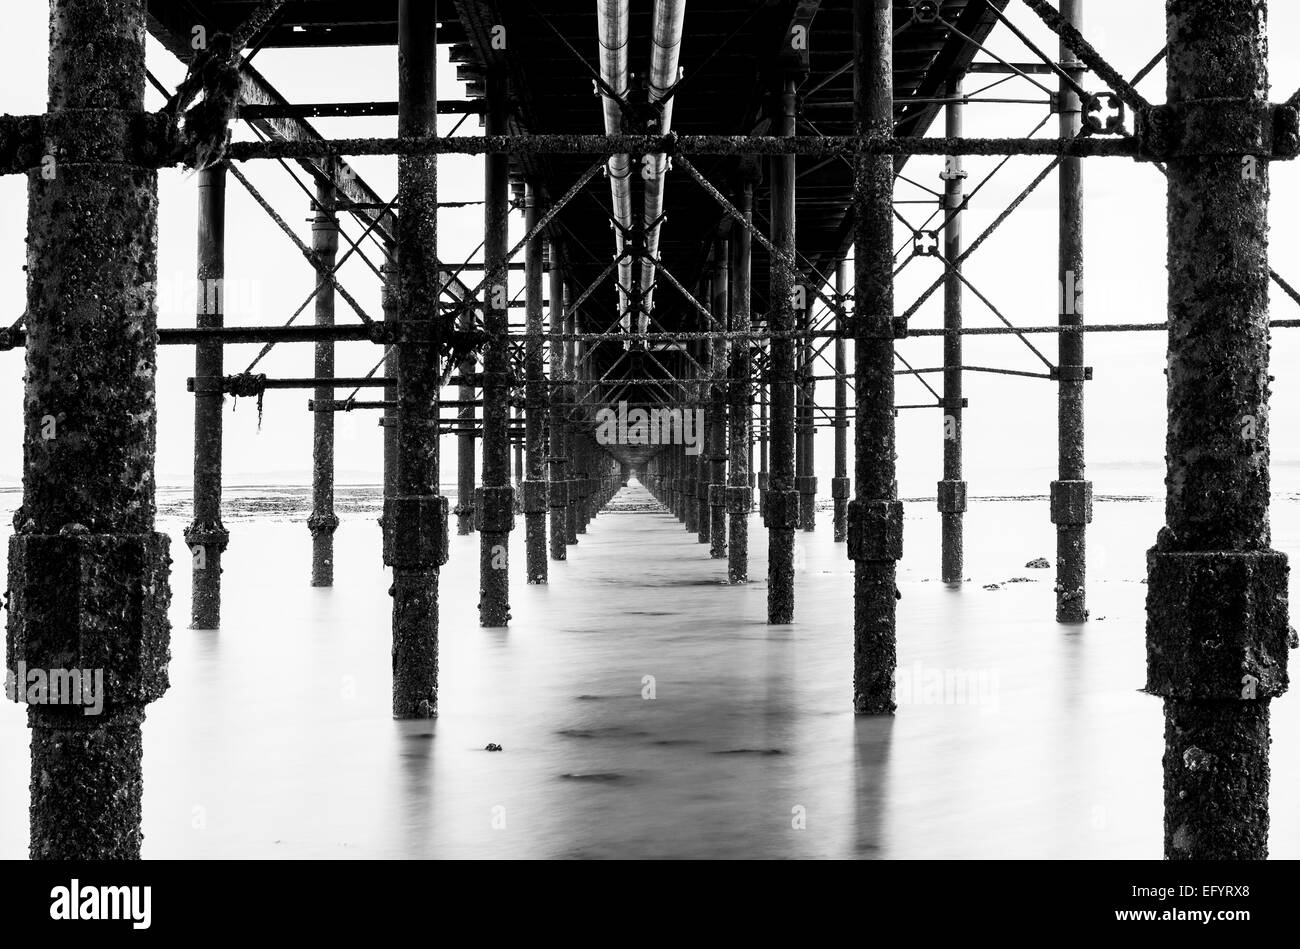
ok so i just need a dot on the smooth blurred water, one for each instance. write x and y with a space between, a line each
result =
276 740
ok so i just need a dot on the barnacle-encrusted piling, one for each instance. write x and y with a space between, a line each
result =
875 515
323 522
1071 492
703 402
781 500
494 502
739 494
951 491
719 357
557 442
415 514
534 484
206 536
87 571
805 429
570 433
840 481
1217 634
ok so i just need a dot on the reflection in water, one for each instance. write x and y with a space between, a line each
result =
869 802
646 709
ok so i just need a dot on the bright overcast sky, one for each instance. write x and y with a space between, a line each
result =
1010 431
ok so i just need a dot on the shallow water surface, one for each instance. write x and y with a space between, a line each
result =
646 709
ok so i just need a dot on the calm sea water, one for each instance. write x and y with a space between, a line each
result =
1016 737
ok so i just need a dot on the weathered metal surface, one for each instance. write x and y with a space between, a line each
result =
840 488
536 503
543 144
87 571
494 501
719 359
1217 595
781 511
951 561
414 511
874 516
206 536
739 492
323 522
1071 526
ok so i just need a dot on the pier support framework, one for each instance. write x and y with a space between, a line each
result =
86 562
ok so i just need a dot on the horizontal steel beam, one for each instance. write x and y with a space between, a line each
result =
314 110
553 144
378 332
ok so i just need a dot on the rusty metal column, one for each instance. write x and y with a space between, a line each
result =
875 516
673 493
465 421
534 485
739 495
703 401
494 502
582 454
415 514
806 470
691 512
585 460
1071 493
517 448
781 507
800 394
207 537
323 522
571 392
558 489
763 388
87 571
951 491
703 466
840 482
392 313
1217 623
685 467
719 361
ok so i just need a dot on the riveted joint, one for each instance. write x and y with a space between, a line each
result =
415 534
494 509
322 523
1217 624
952 497
1072 503
85 136
841 489
535 497
875 531
805 484
210 536
895 327
558 496
780 510
1228 127
739 500
1071 373
1103 113
93 602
